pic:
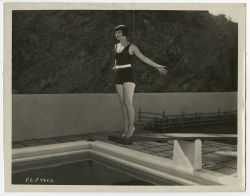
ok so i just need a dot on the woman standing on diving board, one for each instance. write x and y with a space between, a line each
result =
125 83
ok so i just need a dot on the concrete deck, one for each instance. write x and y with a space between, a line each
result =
216 156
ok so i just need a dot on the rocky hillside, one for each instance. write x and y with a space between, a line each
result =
72 51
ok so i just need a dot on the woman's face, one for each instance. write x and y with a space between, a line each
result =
118 34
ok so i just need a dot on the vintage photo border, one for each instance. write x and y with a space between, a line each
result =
7 94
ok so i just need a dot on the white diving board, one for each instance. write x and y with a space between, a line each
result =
188 136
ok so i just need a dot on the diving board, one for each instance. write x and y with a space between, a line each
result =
187 146
189 136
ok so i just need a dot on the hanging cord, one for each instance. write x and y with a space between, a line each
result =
133 26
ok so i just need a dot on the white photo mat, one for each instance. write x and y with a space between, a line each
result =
239 11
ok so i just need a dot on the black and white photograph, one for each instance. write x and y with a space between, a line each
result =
124 96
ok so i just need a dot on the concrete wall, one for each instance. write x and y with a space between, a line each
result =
49 115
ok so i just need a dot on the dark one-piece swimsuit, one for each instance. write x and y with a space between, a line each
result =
124 74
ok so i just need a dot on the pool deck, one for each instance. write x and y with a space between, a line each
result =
216 156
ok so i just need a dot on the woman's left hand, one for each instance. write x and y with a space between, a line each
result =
114 68
162 69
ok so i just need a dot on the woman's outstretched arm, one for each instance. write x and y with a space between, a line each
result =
135 50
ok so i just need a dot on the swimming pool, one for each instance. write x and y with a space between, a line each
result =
85 168
88 172
100 163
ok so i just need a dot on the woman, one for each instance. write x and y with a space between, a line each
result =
125 83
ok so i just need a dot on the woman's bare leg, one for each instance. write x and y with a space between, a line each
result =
119 89
128 93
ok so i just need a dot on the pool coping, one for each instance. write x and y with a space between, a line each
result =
151 164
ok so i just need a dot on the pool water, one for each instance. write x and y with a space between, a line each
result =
87 172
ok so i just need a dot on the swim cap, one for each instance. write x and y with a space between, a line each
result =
123 29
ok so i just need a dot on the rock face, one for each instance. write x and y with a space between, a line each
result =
72 51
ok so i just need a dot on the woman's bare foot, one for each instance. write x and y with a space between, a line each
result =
130 132
124 134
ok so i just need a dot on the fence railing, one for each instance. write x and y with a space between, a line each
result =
163 122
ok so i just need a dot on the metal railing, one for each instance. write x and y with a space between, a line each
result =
162 122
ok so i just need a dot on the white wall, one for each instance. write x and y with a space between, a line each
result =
49 115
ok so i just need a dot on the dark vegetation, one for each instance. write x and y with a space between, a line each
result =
72 51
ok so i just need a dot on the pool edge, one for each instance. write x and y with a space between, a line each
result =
131 158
